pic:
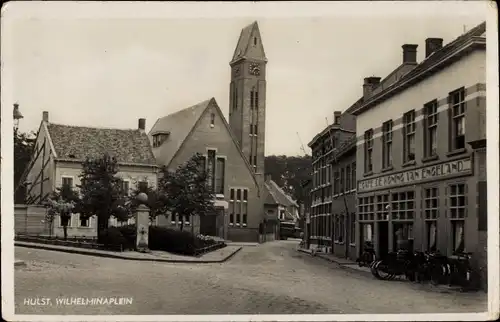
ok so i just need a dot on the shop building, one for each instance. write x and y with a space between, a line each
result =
332 218
421 151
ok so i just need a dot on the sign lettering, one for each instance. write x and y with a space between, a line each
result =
436 171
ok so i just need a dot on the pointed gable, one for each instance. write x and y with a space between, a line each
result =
250 44
176 127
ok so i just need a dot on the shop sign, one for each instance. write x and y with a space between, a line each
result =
415 176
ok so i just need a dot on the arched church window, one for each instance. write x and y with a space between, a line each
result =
254 41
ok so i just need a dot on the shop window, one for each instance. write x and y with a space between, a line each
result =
431 203
382 207
431 230
366 208
403 205
458 201
458 228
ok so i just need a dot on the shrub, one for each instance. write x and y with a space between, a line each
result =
129 232
112 237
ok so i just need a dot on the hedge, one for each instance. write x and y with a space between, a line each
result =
160 238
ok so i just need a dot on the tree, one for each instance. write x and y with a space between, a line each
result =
186 189
101 192
289 172
63 202
23 148
156 202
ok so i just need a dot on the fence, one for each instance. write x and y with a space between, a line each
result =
30 220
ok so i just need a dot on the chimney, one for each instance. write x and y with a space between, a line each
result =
336 117
45 116
142 124
409 53
17 113
432 45
369 84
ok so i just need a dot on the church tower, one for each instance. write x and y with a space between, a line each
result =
247 97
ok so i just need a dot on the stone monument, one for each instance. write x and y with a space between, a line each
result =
142 223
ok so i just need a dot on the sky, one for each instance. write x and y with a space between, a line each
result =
98 66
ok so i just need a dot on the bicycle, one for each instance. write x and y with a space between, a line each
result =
462 273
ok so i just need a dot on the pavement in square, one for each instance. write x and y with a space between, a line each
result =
271 278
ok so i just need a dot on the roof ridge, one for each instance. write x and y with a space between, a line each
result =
92 127
186 108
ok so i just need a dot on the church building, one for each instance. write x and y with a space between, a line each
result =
234 149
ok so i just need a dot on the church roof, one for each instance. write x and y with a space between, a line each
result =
129 146
242 49
178 125
277 195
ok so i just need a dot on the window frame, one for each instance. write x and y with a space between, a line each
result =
398 212
387 135
431 119
368 151
460 104
409 132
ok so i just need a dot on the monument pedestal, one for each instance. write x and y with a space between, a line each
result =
142 224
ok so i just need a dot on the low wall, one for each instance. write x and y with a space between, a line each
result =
243 234
30 219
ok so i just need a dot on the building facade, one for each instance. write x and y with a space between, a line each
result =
333 187
419 173
234 149
57 160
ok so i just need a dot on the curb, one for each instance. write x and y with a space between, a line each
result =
84 252
342 266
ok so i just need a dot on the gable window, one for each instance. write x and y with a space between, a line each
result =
219 175
67 182
430 134
212 120
409 136
387 144
457 99
254 41
369 151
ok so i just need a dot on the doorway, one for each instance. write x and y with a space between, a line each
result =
208 225
383 239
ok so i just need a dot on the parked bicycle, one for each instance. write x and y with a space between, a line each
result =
368 257
461 271
398 263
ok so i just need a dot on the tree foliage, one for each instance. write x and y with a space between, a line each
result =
102 192
156 202
23 148
62 203
289 172
186 189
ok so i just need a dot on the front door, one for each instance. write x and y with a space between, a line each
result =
208 225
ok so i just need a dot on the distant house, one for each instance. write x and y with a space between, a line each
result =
60 150
278 203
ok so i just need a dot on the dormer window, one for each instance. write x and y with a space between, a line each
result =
159 138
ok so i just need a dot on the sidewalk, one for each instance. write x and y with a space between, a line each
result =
217 256
342 262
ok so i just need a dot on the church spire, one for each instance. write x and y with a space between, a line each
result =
249 45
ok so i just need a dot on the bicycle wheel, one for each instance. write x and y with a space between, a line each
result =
382 271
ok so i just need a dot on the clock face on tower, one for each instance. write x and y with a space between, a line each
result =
254 69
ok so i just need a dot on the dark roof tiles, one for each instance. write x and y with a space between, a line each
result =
78 142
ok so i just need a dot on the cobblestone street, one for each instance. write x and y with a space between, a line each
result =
272 278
